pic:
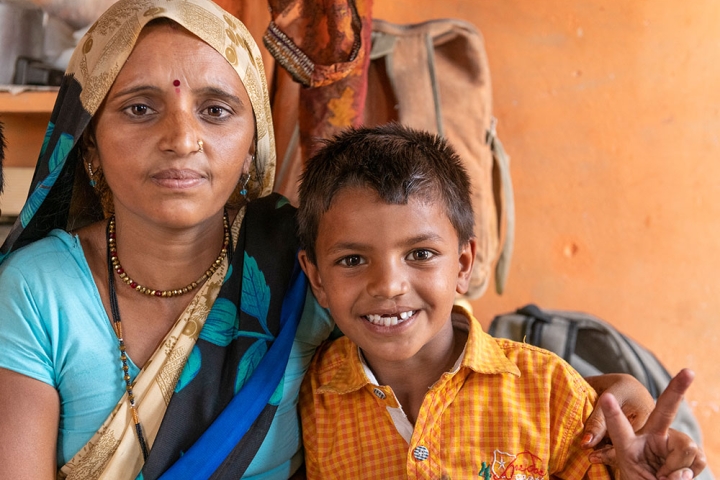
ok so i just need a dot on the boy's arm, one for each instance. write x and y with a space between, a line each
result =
654 451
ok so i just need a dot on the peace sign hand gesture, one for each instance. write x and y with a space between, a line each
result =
655 451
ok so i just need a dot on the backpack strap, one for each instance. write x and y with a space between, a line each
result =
502 163
563 338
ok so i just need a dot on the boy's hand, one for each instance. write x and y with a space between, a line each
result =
655 451
634 399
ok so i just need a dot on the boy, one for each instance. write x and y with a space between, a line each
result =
416 389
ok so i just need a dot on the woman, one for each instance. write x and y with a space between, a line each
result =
170 124
168 332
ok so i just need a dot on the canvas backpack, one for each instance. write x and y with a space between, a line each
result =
593 347
434 76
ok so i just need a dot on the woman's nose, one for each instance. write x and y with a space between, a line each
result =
181 132
387 280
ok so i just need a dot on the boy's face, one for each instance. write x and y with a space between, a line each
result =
389 273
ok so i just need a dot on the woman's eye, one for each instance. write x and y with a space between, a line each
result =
216 111
138 110
421 255
351 261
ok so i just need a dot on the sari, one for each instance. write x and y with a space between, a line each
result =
209 393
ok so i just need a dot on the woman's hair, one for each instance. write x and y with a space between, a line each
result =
395 161
2 157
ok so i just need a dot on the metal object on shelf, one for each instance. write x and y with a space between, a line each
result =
21 34
30 71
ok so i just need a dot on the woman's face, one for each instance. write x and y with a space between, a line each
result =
173 91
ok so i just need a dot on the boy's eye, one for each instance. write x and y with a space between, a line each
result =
351 261
420 255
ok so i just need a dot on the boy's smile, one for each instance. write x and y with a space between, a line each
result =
389 274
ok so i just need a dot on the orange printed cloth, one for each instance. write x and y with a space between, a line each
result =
507 411
317 41
323 47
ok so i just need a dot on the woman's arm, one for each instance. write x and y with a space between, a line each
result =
29 419
632 396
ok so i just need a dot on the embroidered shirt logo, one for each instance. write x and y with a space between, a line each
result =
506 466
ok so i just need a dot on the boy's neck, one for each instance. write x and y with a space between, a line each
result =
411 379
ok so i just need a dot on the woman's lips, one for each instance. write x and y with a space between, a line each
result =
173 178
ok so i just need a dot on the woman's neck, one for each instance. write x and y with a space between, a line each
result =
163 257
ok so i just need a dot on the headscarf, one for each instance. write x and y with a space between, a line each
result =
56 198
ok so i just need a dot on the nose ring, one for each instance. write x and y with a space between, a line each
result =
200 146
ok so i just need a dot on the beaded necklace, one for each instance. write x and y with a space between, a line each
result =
114 266
115 262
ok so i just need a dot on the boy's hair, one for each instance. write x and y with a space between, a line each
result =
397 162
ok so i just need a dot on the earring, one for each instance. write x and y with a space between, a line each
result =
91 174
200 145
243 190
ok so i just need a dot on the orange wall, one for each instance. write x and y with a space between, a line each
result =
610 113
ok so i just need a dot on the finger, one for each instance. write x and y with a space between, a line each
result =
595 429
605 455
694 461
619 429
634 399
699 463
680 458
684 474
668 403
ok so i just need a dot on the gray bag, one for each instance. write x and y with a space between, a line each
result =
593 347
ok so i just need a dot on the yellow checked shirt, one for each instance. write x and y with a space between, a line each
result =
509 411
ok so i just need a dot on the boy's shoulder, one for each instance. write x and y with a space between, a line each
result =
521 362
543 369
332 356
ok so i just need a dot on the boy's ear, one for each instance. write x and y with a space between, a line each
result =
311 271
466 260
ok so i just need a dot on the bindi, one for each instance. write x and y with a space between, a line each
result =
176 83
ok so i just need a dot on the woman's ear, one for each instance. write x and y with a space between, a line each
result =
250 159
466 260
311 271
89 149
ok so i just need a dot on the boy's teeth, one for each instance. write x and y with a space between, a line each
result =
389 320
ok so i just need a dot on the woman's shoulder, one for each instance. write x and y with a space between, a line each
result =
53 251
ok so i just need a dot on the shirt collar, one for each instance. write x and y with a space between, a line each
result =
482 354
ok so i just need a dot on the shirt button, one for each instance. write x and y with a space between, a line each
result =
379 393
421 453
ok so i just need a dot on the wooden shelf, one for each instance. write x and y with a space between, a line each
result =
29 101
17 182
25 117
